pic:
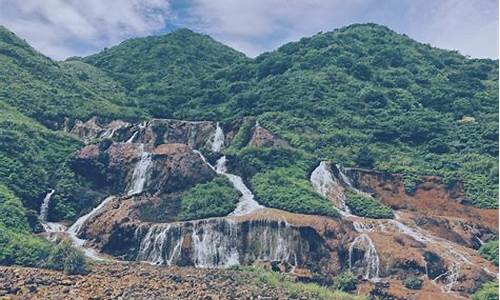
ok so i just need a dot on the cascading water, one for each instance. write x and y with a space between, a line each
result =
218 139
220 243
140 174
370 263
158 238
74 230
215 243
132 138
327 185
45 206
247 203
49 227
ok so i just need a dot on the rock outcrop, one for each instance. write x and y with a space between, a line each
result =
433 236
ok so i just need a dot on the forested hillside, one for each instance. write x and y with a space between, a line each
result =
361 96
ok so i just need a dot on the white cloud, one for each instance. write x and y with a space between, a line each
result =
61 28
468 26
259 25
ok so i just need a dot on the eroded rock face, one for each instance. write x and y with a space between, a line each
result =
196 134
437 207
262 137
433 235
289 240
171 166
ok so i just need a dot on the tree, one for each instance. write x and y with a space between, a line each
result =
365 158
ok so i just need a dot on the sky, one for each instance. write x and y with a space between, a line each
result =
65 28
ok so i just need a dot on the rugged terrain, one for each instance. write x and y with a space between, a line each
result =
356 159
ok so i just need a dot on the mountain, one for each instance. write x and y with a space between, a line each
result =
357 150
49 91
161 73
360 89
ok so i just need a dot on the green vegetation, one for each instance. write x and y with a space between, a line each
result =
345 281
365 206
294 289
362 95
49 91
65 258
490 251
213 199
162 73
413 283
489 291
289 189
19 247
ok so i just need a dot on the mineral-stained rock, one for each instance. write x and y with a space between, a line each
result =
262 137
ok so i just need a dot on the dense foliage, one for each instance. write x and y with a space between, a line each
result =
366 206
489 251
213 199
489 291
49 91
18 246
162 73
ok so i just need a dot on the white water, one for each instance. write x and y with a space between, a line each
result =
140 174
325 184
49 227
220 243
247 203
132 138
153 244
74 230
218 139
371 261
44 208
215 247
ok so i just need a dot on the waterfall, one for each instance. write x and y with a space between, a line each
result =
74 230
330 187
158 238
218 139
220 243
215 243
49 227
139 176
132 138
370 263
247 203
45 206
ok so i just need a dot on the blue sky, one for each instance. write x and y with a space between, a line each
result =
64 28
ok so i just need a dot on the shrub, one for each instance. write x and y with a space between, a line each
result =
413 283
345 281
489 251
289 189
489 291
213 199
366 206
66 258
410 183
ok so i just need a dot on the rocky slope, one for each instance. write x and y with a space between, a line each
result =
136 281
433 235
